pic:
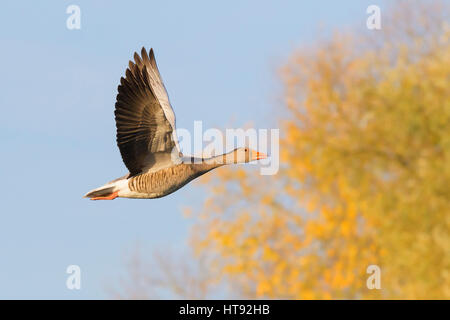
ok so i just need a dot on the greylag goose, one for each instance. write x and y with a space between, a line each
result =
147 139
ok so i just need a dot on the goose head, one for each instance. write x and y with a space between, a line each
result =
243 155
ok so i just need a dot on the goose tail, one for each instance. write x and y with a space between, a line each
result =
100 192
109 191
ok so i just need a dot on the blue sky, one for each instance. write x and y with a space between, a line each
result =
219 62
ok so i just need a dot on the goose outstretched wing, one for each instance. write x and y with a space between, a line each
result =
145 121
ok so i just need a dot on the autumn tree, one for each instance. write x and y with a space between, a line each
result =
364 177
365 173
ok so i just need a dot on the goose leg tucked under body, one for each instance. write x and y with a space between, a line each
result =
147 139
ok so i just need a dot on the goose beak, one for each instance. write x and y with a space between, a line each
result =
259 156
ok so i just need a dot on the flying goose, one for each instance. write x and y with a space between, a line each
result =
147 139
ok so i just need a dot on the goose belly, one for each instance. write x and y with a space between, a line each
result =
159 183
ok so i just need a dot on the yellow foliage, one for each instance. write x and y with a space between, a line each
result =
366 177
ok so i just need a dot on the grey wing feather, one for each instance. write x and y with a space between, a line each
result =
145 120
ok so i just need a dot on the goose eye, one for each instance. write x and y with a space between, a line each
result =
246 150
